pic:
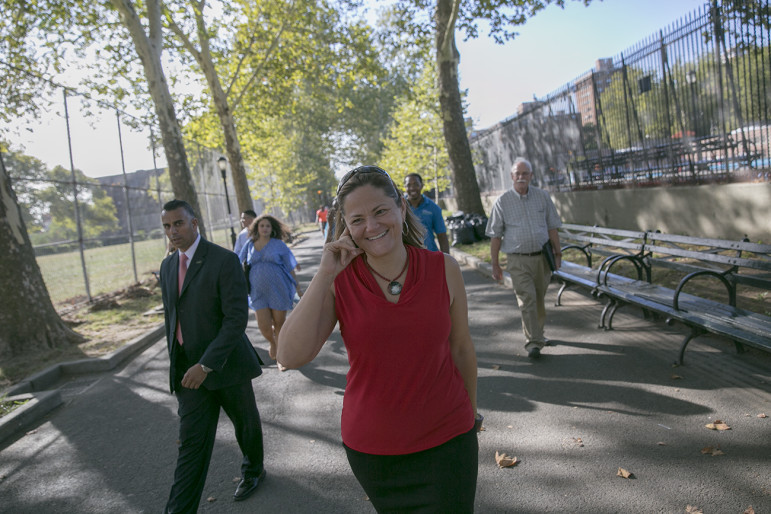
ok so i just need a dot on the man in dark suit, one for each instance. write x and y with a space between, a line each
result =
212 360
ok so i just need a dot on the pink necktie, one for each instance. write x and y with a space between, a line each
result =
181 280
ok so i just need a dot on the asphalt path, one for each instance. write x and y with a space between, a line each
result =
595 402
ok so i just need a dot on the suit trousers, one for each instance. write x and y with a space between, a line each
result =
199 411
530 275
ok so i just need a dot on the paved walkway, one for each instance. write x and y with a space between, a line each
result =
596 401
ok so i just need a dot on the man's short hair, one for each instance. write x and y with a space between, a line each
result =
420 179
250 212
175 204
517 161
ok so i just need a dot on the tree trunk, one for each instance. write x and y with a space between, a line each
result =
232 145
456 140
28 320
149 49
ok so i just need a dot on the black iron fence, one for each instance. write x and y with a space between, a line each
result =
689 105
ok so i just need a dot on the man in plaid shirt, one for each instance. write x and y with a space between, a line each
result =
523 219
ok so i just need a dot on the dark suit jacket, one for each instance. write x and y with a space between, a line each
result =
213 312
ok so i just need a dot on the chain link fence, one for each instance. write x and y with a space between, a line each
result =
97 235
689 105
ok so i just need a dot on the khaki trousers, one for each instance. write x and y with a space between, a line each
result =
530 276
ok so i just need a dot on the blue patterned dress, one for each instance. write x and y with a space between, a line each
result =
270 278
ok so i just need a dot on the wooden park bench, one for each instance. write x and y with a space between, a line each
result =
728 265
582 245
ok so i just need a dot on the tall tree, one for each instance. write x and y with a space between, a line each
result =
415 142
148 45
28 320
302 79
445 17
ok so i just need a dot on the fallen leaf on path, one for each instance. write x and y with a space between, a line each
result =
749 510
579 442
504 461
495 366
693 509
236 480
676 377
624 473
661 443
717 425
211 499
32 432
709 450
762 415
509 426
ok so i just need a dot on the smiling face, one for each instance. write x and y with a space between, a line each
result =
181 228
413 187
374 220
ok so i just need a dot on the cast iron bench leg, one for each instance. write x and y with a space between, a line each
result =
611 314
695 331
608 306
559 294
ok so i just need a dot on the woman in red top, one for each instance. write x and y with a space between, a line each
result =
410 400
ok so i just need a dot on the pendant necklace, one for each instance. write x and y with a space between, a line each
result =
394 287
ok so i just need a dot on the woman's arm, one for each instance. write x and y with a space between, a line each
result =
297 282
308 326
461 345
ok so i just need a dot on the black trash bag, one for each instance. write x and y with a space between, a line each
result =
463 234
453 223
479 222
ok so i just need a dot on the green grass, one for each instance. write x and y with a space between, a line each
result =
109 268
6 407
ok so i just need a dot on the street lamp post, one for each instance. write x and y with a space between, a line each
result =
222 162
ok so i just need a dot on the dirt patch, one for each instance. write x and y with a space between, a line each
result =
119 318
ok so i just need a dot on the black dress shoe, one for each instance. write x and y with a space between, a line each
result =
247 486
534 353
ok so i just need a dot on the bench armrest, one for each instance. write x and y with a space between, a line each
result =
582 249
720 276
604 270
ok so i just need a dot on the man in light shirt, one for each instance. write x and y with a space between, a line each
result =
523 219
247 217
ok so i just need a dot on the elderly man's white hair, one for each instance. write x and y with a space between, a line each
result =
521 159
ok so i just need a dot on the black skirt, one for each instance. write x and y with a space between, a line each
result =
442 479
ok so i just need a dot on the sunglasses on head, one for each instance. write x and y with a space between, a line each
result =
361 169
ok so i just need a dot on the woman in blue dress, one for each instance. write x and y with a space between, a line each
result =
272 279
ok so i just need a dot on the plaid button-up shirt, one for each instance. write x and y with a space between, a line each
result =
523 221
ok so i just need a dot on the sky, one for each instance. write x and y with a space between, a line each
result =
553 48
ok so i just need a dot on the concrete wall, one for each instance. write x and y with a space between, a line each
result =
724 211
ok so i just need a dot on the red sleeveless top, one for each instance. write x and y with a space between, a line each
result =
404 393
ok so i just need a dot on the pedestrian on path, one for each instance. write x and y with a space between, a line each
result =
212 361
523 219
272 278
408 422
247 217
429 213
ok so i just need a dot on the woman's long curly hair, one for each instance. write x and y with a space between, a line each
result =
413 232
278 229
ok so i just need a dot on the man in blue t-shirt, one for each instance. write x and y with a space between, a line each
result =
429 213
